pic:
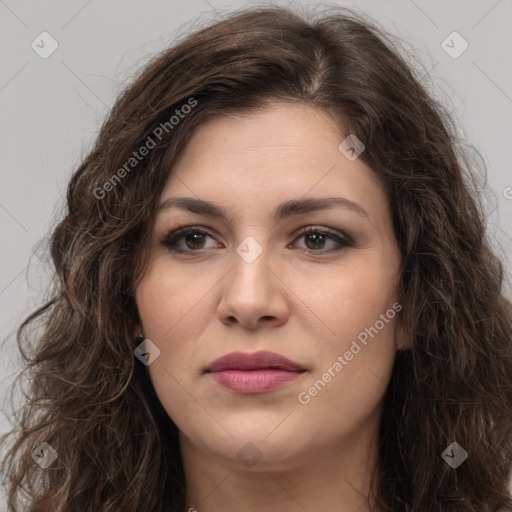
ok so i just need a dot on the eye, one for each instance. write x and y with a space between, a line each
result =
315 239
191 239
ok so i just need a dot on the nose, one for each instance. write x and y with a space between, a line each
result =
253 295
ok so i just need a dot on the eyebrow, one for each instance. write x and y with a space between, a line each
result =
284 210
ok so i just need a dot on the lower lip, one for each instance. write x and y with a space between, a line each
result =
254 381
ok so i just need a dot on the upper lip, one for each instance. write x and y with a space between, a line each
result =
253 361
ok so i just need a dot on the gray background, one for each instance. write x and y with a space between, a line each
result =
52 108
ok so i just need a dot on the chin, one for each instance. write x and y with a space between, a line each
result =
259 445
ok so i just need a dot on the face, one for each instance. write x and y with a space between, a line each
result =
268 264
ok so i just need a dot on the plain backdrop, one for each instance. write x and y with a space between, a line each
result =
51 108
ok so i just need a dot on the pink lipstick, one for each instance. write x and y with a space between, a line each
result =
251 373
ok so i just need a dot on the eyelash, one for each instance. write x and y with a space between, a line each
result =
171 240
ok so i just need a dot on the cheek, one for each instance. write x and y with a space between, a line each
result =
353 368
354 297
355 360
173 311
172 304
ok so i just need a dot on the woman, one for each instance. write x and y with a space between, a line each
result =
273 292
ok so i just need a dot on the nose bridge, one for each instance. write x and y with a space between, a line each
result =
251 291
250 267
250 250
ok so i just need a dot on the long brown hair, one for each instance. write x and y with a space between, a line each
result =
91 400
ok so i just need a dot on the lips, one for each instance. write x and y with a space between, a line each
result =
257 372
254 361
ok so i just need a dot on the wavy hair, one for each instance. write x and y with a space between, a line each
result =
91 400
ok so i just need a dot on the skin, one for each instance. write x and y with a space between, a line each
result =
307 306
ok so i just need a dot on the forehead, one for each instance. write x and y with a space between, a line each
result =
278 130
280 152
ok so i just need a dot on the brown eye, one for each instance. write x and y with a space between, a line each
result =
186 240
316 240
194 240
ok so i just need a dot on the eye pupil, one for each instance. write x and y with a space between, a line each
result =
194 238
318 240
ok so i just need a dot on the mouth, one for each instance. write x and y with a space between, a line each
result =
253 373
